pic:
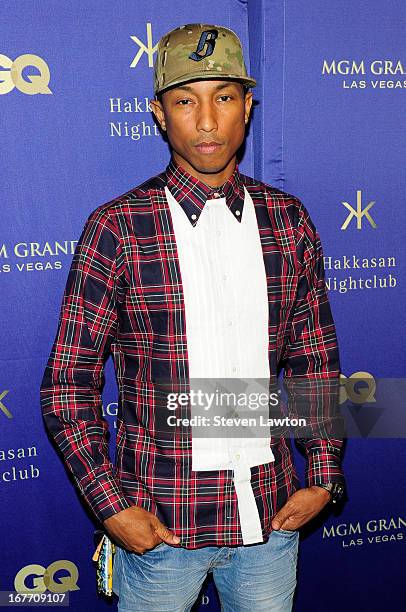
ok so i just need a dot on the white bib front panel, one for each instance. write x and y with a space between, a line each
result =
226 307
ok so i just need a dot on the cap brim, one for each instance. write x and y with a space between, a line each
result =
207 75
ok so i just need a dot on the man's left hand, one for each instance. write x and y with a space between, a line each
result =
302 506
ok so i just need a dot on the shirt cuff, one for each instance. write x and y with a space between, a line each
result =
105 497
323 463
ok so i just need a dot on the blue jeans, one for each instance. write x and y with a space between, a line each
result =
255 578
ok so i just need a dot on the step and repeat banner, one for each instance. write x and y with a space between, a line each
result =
76 130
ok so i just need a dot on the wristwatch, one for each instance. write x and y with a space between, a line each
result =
335 489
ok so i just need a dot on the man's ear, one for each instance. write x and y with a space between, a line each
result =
158 111
248 105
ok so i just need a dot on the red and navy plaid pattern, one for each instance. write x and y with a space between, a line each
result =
124 297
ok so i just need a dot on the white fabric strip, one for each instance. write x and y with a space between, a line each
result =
247 507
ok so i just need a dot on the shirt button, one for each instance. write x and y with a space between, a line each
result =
234 368
194 216
238 213
229 323
237 457
225 277
216 195
218 233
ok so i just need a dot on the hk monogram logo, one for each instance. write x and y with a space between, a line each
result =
149 48
3 408
11 75
358 213
208 37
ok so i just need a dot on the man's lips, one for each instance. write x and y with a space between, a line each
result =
208 147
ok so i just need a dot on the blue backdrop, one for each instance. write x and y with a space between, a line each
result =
76 131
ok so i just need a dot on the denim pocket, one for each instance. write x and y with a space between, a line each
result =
158 547
286 531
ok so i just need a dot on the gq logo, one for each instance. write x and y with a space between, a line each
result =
42 579
11 75
357 393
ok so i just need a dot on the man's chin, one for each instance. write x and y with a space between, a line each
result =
208 166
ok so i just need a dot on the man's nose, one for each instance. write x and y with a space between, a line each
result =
207 119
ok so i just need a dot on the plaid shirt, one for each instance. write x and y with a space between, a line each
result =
124 297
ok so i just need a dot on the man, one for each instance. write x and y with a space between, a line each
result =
200 272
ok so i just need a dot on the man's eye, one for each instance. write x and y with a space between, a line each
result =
181 101
225 96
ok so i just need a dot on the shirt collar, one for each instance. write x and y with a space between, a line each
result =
191 193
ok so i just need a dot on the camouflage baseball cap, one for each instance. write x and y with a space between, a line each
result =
199 51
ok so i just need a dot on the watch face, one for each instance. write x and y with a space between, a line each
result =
337 491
